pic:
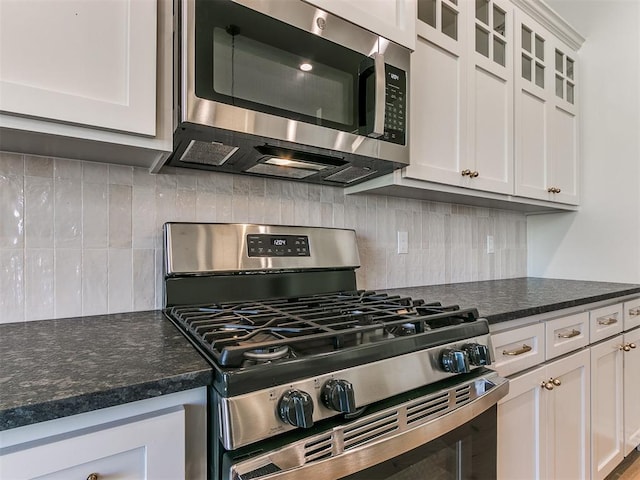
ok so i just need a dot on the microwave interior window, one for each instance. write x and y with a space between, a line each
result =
246 59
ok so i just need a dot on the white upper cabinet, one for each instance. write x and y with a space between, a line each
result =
392 19
89 63
493 107
84 79
462 95
546 142
439 93
490 115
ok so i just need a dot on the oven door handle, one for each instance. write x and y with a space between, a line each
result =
379 451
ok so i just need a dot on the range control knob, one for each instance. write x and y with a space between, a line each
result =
296 408
478 354
454 361
338 395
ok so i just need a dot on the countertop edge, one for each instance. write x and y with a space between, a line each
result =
554 307
40 412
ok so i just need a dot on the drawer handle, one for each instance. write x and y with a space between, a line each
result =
634 312
607 321
525 348
571 334
93 476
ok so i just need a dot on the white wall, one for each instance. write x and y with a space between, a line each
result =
602 240
82 238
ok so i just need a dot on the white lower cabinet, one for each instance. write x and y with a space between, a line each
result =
151 447
607 406
158 438
569 415
543 423
631 391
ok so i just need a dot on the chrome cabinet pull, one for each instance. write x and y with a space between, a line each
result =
607 321
525 348
571 334
634 312
93 476
466 172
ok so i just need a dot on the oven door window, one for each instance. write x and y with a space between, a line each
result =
252 61
468 452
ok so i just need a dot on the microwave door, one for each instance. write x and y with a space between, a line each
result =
259 63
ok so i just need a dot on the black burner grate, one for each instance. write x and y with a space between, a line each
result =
233 332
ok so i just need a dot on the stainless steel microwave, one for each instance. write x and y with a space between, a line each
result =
282 88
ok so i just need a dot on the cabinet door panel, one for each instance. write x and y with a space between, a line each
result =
522 418
393 19
88 63
492 126
436 115
564 154
490 146
606 407
531 146
632 392
569 407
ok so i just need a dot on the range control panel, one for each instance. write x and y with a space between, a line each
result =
262 245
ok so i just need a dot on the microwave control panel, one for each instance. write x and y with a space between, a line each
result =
395 124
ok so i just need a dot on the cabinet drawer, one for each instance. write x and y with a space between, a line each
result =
631 314
605 322
151 446
519 349
565 334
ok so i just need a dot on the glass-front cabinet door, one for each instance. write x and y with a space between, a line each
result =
439 92
462 92
546 140
490 151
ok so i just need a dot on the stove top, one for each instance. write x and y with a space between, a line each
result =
248 333
331 331
292 341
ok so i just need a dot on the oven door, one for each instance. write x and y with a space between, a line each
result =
445 434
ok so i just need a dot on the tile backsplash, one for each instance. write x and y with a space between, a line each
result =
82 238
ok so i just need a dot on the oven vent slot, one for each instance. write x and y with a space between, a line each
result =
373 429
318 449
463 395
433 406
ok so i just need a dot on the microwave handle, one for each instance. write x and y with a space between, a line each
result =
381 94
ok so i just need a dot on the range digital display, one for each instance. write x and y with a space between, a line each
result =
264 245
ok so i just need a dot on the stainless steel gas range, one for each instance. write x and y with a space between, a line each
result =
316 378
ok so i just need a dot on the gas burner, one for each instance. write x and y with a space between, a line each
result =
402 330
268 354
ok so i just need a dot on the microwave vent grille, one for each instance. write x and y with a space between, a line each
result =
207 153
350 174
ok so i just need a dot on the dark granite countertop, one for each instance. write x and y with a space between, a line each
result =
503 300
54 368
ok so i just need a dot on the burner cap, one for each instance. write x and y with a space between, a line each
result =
267 354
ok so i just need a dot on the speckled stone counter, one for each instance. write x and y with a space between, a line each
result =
503 300
55 368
